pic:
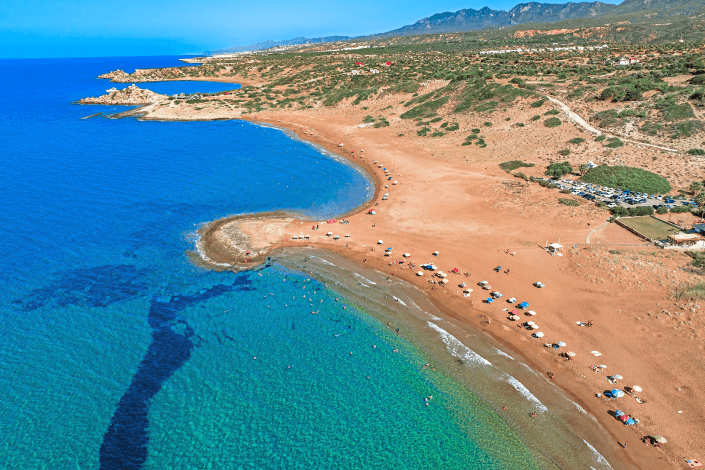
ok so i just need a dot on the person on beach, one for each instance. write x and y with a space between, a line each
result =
533 415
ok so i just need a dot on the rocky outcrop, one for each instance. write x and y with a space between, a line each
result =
116 75
131 95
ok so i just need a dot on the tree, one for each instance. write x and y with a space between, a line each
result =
662 210
696 186
620 211
556 170
583 169
700 199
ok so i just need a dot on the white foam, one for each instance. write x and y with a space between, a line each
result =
399 301
458 349
502 353
601 461
519 387
325 261
364 279
580 408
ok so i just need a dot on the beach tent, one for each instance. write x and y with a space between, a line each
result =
538 334
636 388
523 305
420 273
555 247
619 413
490 300
560 344
660 439
616 393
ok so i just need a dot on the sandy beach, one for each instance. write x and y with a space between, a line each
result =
473 214
454 199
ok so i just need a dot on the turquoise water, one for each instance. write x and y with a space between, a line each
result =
119 353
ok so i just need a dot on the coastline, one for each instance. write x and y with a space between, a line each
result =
575 387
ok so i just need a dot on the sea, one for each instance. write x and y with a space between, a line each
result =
120 352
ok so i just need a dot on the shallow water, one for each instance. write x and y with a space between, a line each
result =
119 353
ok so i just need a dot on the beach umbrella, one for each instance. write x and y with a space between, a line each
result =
515 312
617 393
435 253
513 317
561 344
570 353
420 273
406 255
490 300
534 327
530 323
538 334
636 388
380 242
619 413
660 439
602 366
531 312
618 377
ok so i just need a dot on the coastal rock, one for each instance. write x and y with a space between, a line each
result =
116 75
131 95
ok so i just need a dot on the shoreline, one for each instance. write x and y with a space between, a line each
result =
274 251
573 386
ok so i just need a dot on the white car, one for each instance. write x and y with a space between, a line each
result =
611 205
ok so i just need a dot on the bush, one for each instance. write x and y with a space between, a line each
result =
536 118
680 209
678 112
551 112
697 80
600 138
454 126
521 175
520 124
576 141
568 202
552 122
619 211
614 142
564 152
662 210
514 164
538 104
689 291
556 170
425 109
641 211
696 152
381 123
487 124
634 179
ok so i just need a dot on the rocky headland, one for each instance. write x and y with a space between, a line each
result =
132 95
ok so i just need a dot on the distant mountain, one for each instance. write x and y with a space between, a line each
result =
532 12
287 42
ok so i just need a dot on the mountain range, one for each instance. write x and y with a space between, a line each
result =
533 12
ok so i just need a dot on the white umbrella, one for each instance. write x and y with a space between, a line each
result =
420 273
531 312
571 354
482 283
602 366
534 327
406 255
435 253
637 388
530 323
380 242
538 335
561 344
618 377
514 317
660 439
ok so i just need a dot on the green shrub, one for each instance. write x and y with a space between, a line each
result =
568 202
697 80
552 122
662 210
696 152
368 119
514 164
521 175
698 258
487 124
423 131
641 211
678 112
536 118
564 152
538 104
520 124
438 134
689 291
650 128
680 209
576 141
381 123
453 126
434 120
614 142
685 129
634 179
425 109
556 170
551 112
600 138
619 211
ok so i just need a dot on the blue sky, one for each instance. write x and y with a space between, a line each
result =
80 28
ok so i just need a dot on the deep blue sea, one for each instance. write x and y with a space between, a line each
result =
118 352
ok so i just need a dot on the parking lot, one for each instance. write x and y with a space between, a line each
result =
614 197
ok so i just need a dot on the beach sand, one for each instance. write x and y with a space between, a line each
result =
472 213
